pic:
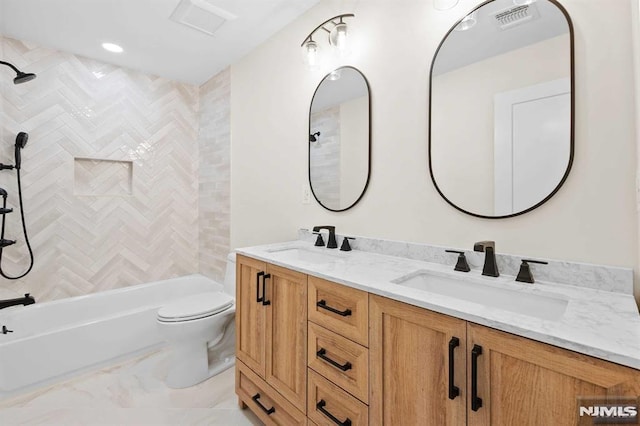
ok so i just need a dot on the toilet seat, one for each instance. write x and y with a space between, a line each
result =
194 307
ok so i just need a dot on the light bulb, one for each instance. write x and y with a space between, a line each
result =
338 36
467 22
112 47
310 53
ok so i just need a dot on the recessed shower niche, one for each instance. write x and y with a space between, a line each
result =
98 177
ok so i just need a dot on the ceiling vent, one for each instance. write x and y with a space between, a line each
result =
517 15
201 15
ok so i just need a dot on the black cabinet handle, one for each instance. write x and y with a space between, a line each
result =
476 401
321 354
323 304
320 406
269 411
258 298
453 389
265 302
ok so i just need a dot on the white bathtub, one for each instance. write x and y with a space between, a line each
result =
54 340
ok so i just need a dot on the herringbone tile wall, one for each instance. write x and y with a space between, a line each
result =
82 108
215 174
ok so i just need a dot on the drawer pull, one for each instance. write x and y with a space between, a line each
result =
258 298
453 389
476 401
269 411
320 406
323 304
321 354
265 302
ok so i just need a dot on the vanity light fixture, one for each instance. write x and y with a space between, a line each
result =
338 35
445 4
467 22
112 47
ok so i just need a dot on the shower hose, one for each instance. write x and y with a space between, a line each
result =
24 229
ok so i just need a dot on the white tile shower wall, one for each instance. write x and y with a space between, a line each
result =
214 142
83 108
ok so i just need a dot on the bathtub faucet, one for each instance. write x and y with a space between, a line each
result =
26 300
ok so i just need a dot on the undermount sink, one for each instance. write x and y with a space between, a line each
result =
543 306
305 255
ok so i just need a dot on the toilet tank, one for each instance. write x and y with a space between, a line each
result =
230 275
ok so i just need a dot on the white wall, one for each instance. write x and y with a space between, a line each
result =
592 218
635 28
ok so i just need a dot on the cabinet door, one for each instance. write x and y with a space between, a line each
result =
523 382
250 314
409 364
286 343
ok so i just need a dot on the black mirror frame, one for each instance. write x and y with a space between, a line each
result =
369 129
573 117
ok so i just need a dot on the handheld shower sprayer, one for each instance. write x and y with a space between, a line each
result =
21 141
21 77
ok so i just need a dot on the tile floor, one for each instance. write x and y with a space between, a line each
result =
129 394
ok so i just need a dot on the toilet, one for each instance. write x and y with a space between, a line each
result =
200 331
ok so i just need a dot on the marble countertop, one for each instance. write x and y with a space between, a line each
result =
598 323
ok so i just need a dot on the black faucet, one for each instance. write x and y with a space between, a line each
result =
490 267
26 300
331 243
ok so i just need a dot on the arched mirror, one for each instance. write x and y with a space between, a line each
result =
340 139
501 108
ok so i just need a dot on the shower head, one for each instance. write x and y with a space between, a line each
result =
314 137
21 139
21 77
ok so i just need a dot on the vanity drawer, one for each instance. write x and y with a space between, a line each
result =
326 400
262 398
339 308
340 360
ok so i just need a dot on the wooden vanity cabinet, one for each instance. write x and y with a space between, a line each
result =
524 382
311 351
518 381
271 315
409 365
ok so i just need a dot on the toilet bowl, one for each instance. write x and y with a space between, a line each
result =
200 332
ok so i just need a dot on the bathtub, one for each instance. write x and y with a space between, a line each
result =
55 340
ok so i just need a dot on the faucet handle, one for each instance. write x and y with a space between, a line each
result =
5 330
524 275
319 240
461 264
345 244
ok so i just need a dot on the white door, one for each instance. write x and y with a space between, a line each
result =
532 144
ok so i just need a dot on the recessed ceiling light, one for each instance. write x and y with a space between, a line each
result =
111 47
